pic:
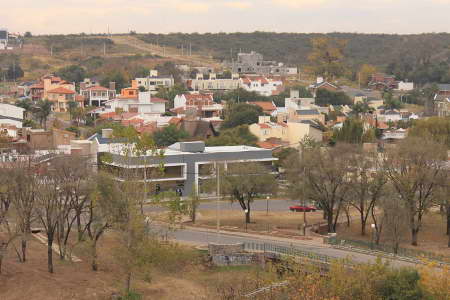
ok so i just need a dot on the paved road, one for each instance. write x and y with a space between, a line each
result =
204 237
257 205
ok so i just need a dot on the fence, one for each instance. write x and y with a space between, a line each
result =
285 250
402 252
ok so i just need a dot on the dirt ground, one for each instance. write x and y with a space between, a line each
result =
31 280
432 237
275 222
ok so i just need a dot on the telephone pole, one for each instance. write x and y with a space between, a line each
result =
218 200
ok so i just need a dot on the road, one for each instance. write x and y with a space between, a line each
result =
257 205
203 237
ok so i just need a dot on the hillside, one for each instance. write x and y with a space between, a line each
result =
293 48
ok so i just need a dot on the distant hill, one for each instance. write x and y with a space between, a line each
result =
293 48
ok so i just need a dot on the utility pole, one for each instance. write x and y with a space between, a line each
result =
51 50
182 50
190 49
104 48
218 201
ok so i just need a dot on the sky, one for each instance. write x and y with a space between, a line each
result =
164 16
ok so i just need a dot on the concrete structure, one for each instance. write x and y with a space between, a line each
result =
186 164
265 86
321 84
390 116
442 106
212 83
291 132
153 82
39 139
405 86
11 115
254 62
3 38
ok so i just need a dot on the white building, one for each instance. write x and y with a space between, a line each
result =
153 82
203 103
145 104
390 116
3 39
265 86
405 86
97 95
212 83
11 115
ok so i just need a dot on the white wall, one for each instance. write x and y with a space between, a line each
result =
405 86
179 101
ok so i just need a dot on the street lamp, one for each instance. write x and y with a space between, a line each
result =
267 205
373 236
246 211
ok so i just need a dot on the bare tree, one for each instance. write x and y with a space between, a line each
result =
415 168
395 220
323 174
367 180
243 182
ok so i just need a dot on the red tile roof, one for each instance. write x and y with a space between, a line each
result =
109 115
267 145
96 88
198 97
175 121
132 122
264 126
61 90
37 86
265 105
79 98
128 115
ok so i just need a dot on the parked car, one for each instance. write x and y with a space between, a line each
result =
300 208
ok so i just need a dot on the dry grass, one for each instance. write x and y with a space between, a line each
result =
31 280
432 237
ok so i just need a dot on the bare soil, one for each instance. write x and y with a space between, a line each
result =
432 237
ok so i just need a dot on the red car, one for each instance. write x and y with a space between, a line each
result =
300 208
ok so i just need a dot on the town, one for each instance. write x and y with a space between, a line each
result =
133 167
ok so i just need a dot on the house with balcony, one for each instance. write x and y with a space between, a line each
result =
41 89
211 82
60 98
203 104
97 95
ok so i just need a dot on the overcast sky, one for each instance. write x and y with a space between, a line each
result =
163 16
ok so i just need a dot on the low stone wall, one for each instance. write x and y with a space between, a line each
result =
225 249
234 260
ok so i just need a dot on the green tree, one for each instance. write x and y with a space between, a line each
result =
325 97
14 71
171 92
42 111
243 182
169 135
239 135
115 76
239 114
327 56
72 73
390 102
351 132
435 128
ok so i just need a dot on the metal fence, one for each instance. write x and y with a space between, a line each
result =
288 250
403 252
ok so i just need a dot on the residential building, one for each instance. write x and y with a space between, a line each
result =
60 98
394 135
11 115
153 82
443 89
291 132
254 62
381 82
187 165
41 89
265 86
321 84
311 114
405 86
143 104
4 39
211 82
442 106
40 139
268 107
89 82
390 116
197 129
203 104
96 95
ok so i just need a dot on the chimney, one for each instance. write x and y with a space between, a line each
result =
107 133
112 86
82 85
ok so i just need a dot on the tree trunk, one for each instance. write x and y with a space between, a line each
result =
79 228
414 233
128 283
50 254
363 224
448 220
247 217
94 255
331 227
348 217
24 249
